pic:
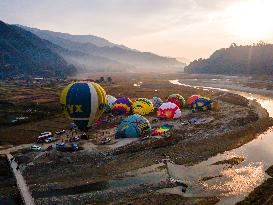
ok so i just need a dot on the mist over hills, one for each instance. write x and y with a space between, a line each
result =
95 53
256 59
23 53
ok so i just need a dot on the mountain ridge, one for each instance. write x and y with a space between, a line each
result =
23 53
124 56
256 59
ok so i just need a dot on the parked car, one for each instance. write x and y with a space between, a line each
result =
74 146
74 139
46 133
50 139
42 138
35 148
60 145
60 132
105 140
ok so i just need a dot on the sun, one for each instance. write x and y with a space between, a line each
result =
251 20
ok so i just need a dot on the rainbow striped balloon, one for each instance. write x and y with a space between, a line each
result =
83 102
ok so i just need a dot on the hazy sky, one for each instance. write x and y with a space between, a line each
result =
178 28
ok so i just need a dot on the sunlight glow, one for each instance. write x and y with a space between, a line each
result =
251 20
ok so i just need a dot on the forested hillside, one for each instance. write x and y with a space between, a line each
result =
256 59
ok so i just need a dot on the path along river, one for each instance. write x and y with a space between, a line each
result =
230 183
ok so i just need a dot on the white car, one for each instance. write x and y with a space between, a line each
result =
35 148
60 132
46 133
50 139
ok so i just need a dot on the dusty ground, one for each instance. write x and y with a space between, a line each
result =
234 123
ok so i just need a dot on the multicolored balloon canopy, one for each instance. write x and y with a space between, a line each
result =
142 106
122 105
156 102
191 99
83 102
110 102
177 99
133 126
202 103
169 110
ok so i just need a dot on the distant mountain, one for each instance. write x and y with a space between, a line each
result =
92 51
23 53
256 59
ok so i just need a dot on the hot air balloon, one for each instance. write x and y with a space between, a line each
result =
83 102
110 101
177 99
142 106
202 103
169 110
133 126
122 105
156 102
191 99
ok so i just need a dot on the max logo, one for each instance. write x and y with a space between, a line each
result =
73 108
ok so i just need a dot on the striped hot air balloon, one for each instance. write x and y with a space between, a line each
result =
110 102
122 105
169 110
191 99
177 99
142 106
83 102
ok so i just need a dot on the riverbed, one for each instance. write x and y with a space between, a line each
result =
231 183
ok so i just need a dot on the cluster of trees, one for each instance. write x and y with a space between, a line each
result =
256 59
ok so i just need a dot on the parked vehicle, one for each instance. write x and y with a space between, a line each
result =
74 139
74 146
50 139
105 140
46 133
60 146
42 138
60 132
35 148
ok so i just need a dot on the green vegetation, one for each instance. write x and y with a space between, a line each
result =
256 59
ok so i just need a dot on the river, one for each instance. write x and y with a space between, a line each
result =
230 183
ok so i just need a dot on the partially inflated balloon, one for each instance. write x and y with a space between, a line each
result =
177 99
133 126
156 102
83 102
142 106
202 103
169 111
122 105
191 99
110 101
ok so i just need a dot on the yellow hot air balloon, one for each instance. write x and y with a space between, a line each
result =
142 106
83 102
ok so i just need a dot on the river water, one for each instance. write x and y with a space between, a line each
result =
230 183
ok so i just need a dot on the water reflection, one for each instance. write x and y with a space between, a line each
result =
230 183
